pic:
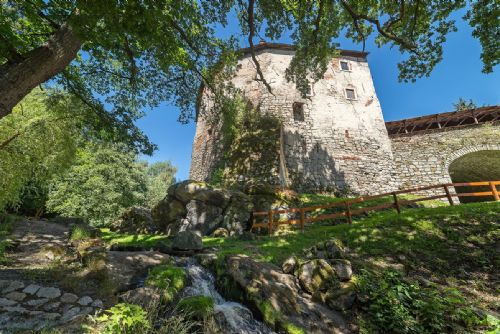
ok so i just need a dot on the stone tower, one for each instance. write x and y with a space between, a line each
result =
334 139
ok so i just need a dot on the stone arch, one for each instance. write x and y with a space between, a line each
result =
466 150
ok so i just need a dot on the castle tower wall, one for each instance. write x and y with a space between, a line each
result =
334 139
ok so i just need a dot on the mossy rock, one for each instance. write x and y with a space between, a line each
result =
170 279
199 307
316 275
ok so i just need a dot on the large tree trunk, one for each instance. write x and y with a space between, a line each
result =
18 78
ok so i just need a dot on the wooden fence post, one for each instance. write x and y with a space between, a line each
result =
270 221
348 212
494 191
448 194
396 203
302 218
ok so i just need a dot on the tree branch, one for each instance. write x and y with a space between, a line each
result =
251 28
387 34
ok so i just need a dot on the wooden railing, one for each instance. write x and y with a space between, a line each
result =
347 210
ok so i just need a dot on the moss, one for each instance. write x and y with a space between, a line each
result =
270 315
168 278
199 307
292 329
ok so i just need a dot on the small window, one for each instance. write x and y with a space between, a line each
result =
344 65
298 111
350 94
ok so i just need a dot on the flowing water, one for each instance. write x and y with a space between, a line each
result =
233 317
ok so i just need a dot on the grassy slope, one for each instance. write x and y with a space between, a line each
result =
453 246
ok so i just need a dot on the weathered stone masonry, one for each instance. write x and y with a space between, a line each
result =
333 141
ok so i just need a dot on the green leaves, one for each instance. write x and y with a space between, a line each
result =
124 318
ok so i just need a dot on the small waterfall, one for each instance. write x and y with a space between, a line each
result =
234 317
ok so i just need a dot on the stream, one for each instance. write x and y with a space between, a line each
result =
233 317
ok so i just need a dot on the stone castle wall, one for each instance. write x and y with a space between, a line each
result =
332 142
424 158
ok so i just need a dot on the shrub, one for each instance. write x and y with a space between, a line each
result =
394 305
169 278
200 307
124 318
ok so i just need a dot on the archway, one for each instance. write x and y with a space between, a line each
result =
475 166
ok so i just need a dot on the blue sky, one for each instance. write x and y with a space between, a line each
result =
458 75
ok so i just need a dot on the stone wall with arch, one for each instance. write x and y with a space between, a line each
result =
424 158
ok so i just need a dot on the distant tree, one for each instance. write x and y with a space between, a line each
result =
104 180
160 176
37 141
462 104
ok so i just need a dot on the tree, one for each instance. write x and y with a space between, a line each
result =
135 54
160 175
37 141
104 180
463 104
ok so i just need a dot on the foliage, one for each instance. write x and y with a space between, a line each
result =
463 104
6 222
395 305
160 176
199 307
124 318
168 278
104 180
37 141
79 232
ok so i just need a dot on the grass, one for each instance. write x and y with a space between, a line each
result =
79 232
200 307
169 279
133 240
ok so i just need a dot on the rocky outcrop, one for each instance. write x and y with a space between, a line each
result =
196 206
187 240
276 296
136 220
128 268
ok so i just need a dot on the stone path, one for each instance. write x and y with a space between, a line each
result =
27 305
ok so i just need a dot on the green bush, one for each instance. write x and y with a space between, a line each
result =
169 278
200 307
124 319
394 305
79 232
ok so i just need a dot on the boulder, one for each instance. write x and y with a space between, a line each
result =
289 265
339 298
187 240
203 217
144 296
343 269
221 232
237 214
127 269
134 220
167 211
188 190
276 296
316 275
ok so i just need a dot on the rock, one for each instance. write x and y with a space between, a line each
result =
71 314
52 306
167 211
334 249
16 296
85 300
53 252
338 298
127 269
202 217
97 303
237 214
48 292
143 296
220 232
187 240
187 190
31 289
37 302
343 269
207 260
289 265
13 285
6 302
4 283
135 220
271 291
16 309
68 298
315 275
51 316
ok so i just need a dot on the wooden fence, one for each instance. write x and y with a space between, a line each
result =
347 210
